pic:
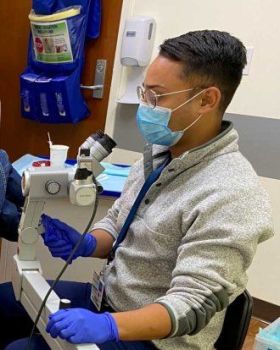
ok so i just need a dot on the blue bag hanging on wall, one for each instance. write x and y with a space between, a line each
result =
94 23
50 86
44 7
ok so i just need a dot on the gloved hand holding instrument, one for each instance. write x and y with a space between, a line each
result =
61 238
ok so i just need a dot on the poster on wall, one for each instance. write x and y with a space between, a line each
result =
52 42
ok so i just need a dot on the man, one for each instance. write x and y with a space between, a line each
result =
185 254
11 199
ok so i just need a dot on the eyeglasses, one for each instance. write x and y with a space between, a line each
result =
150 97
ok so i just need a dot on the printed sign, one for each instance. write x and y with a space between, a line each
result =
51 42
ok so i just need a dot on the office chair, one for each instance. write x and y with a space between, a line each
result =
236 323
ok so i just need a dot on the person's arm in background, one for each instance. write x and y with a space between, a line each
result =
9 221
14 191
12 199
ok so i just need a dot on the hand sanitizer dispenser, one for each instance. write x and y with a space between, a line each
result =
136 52
138 39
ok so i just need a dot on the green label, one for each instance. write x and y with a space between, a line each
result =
51 42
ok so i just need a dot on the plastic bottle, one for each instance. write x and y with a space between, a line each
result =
25 100
59 103
44 104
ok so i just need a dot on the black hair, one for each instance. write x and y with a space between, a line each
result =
210 56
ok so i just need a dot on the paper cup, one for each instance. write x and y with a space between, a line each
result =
58 155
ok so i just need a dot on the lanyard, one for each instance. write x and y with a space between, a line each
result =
148 183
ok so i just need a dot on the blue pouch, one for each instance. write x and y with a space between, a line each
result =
44 109
57 46
45 7
94 21
53 100
28 94
68 100
50 86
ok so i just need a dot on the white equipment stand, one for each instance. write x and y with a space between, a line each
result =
40 184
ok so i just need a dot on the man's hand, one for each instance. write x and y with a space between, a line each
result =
61 239
82 326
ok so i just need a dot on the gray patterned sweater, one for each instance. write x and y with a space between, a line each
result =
192 240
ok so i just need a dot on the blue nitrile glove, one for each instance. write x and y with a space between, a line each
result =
61 239
83 326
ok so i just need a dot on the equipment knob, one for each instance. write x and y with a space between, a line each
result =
52 187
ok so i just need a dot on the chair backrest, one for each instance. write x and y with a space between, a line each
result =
236 323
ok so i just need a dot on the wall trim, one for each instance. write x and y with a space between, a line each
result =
259 142
265 311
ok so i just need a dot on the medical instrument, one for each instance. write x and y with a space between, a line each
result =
40 184
61 239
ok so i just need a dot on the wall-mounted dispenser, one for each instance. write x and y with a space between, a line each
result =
136 52
137 42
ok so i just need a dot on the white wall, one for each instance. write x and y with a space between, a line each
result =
264 273
256 24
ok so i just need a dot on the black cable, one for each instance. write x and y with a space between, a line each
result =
64 267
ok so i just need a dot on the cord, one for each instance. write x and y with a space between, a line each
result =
64 268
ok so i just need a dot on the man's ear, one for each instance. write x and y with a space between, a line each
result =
210 100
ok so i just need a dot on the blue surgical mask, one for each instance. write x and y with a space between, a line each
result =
153 124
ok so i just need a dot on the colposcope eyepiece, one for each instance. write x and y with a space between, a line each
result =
97 135
107 142
100 145
90 141
84 187
98 139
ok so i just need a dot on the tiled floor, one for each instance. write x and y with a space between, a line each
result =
253 330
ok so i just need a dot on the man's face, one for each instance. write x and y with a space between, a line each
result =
165 76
